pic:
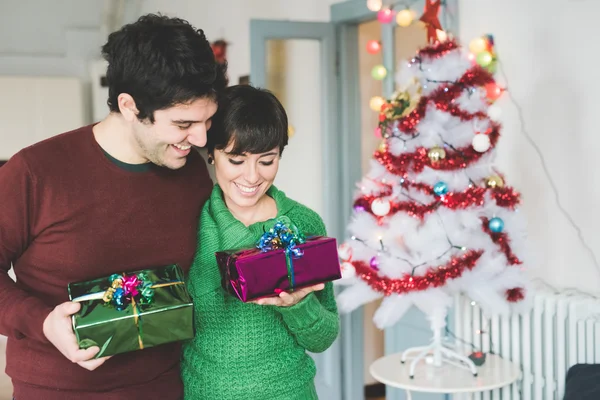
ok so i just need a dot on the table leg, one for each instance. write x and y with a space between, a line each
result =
408 395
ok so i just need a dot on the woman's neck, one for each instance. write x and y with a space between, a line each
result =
264 209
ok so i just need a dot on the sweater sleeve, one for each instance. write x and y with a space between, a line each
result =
21 314
314 321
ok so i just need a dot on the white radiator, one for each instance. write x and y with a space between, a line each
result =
562 329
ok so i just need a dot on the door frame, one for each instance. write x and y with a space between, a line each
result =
324 33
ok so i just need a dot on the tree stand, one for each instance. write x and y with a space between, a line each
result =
440 352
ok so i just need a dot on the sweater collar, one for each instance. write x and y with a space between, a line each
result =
233 232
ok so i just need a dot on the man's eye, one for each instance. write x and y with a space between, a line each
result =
187 126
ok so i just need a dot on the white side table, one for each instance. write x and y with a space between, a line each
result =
448 379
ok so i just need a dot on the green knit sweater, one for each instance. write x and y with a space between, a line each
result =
248 351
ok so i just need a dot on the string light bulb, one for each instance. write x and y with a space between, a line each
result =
374 5
478 45
405 17
385 16
376 102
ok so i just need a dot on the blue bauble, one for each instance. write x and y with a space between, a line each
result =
440 188
496 225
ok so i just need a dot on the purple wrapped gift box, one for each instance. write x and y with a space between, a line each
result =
251 274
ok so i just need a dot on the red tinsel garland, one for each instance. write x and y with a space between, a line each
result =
506 197
444 97
438 49
515 294
434 277
418 160
473 196
502 240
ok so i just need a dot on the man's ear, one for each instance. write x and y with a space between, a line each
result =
127 107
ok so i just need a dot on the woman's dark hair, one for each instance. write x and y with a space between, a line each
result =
160 62
250 118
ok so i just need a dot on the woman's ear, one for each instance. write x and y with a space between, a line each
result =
210 158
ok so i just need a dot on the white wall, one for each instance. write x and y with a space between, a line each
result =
549 52
57 38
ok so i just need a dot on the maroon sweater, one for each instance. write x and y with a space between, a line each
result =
67 213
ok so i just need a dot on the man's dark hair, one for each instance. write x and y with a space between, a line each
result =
160 62
250 118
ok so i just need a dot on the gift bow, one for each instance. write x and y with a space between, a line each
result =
125 290
284 235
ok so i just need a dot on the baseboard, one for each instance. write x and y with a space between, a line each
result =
375 390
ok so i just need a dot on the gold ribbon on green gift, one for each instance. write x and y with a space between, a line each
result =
108 295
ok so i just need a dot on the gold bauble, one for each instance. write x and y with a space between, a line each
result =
494 181
436 154
382 147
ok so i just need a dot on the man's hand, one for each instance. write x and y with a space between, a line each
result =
289 299
58 329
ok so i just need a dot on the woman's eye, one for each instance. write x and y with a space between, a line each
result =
235 162
266 163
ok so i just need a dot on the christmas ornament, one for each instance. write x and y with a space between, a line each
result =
348 270
385 16
442 36
373 47
494 182
378 72
404 18
431 19
496 225
440 188
345 252
374 5
481 142
494 112
380 207
382 147
374 263
436 154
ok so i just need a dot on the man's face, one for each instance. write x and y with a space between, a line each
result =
168 141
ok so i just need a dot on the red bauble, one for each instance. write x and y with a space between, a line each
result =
373 47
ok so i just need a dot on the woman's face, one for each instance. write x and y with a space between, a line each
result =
246 178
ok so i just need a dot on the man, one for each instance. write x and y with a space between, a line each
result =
121 195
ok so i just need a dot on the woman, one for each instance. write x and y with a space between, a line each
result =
252 351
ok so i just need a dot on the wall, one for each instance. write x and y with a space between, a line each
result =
57 38
230 19
549 56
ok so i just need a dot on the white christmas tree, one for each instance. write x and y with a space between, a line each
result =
433 217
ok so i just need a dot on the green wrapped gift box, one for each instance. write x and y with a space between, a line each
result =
133 311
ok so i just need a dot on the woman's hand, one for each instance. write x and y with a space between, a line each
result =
289 299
